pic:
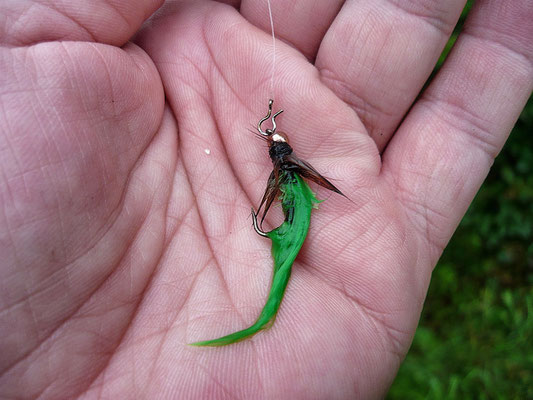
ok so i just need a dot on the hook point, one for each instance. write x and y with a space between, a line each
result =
256 225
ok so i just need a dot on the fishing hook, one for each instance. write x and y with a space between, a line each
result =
269 132
256 225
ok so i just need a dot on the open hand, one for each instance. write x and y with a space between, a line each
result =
128 172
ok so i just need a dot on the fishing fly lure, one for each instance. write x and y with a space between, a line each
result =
297 201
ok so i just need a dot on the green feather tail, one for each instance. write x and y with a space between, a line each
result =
297 202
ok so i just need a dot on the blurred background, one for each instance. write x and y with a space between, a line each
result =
475 338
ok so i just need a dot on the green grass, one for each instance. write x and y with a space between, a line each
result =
475 339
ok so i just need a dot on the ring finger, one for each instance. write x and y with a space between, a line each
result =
377 55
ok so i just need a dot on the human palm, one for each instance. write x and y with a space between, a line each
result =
128 174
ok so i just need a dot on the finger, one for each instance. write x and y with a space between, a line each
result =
292 20
105 21
445 147
378 54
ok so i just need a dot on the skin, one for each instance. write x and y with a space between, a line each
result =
121 240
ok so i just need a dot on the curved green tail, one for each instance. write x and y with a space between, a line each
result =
297 201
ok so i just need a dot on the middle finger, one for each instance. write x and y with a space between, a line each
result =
302 23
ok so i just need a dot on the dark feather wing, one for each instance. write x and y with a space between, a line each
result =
270 193
308 171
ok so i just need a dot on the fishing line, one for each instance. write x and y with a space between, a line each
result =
273 50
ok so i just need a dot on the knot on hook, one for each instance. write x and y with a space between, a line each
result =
268 132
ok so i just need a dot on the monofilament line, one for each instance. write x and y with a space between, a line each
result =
273 50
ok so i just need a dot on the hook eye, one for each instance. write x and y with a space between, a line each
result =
274 121
268 132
